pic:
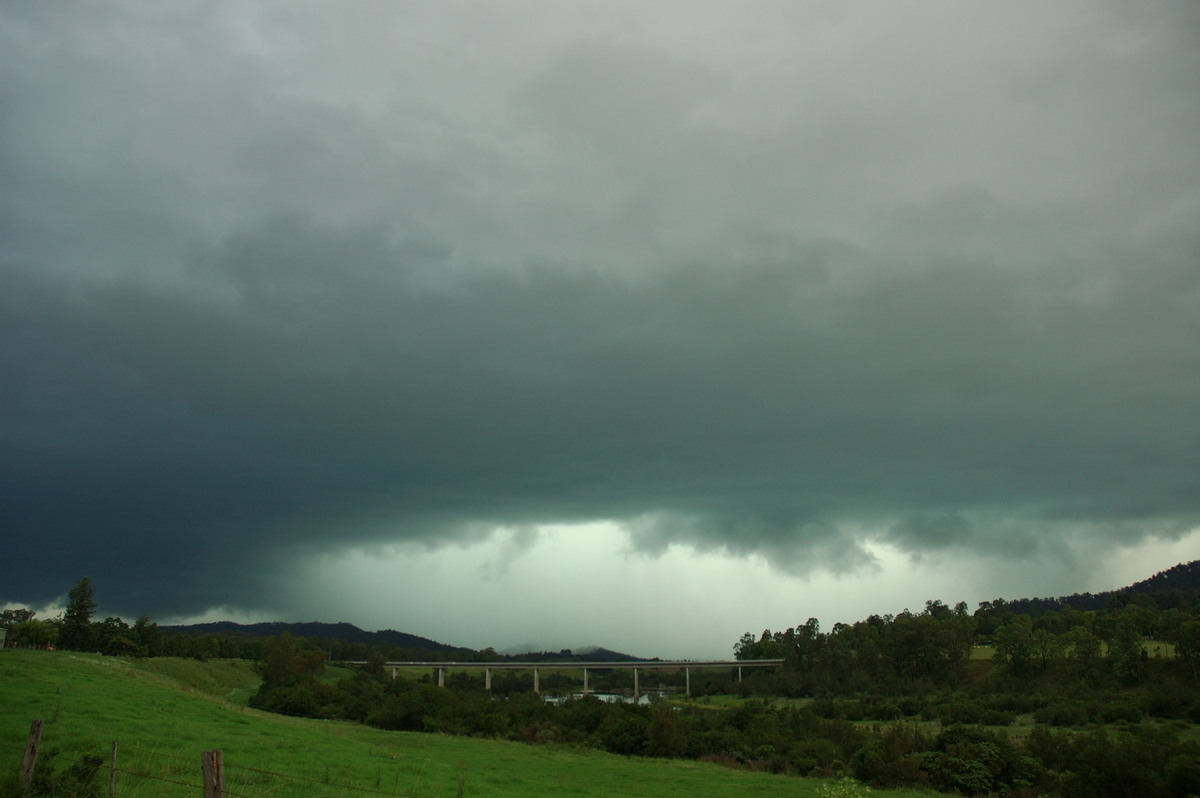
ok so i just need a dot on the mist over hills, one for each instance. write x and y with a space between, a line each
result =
1183 578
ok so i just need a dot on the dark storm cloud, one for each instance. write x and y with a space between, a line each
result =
334 397
277 283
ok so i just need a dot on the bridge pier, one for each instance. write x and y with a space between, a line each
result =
441 672
687 676
585 682
536 684
487 679
636 692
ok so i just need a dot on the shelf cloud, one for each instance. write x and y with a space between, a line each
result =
779 283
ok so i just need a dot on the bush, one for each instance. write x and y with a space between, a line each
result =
1063 713
78 780
1183 776
962 712
892 759
1166 702
286 701
122 646
398 713
994 717
625 732
978 762
1120 712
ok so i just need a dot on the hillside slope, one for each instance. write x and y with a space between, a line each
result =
161 727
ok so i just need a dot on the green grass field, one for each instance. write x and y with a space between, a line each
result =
164 713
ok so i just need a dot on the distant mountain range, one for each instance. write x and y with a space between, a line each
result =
317 630
349 633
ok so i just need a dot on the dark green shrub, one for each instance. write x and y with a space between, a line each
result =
892 759
1183 776
994 717
122 646
625 732
1167 701
286 701
961 712
1120 712
1063 713
977 762
79 779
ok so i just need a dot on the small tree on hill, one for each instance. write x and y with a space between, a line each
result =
77 632
148 637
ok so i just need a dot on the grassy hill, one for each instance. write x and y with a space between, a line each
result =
163 713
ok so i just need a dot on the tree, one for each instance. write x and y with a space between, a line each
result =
10 618
34 633
1082 650
285 663
1014 643
1187 646
289 678
147 636
77 632
108 629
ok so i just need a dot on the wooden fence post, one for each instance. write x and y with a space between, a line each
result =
29 761
112 771
213 768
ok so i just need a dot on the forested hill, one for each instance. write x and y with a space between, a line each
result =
315 630
1183 579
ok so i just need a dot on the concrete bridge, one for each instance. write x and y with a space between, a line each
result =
440 668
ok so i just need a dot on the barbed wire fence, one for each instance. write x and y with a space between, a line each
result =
136 772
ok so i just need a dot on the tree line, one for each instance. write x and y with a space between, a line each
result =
933 649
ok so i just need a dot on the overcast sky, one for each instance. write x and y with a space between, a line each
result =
620 323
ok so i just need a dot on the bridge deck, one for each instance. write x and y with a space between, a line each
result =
652 664
686 666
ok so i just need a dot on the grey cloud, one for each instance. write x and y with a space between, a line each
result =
338 400
779 300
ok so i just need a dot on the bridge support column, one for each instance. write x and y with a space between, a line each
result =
441 677
487 679
687 677
394 669
739 673
585 684
536 684
636 692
